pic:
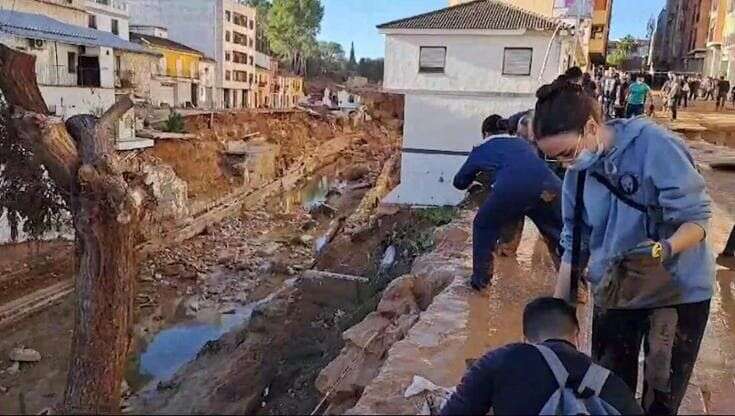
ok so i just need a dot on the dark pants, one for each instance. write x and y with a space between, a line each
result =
685 98
674 108
693 94
634 110
503 208
730 246
709 95
619 112
721 100
671 338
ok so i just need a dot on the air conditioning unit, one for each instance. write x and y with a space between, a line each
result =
35 43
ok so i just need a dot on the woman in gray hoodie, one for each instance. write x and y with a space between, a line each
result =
635 213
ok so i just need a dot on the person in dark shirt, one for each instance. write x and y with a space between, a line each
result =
723 87
523 186
516 380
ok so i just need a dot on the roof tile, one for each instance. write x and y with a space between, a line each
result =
476 15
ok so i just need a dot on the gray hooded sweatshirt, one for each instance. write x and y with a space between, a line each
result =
652 167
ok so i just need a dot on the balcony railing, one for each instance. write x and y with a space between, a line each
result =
113 4
55 75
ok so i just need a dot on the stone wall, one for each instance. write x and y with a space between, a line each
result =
375 348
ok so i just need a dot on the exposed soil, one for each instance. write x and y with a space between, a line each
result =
208 284
29 266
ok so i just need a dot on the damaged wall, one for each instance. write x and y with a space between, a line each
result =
367 343
136 72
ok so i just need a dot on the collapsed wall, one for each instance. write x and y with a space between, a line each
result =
345 381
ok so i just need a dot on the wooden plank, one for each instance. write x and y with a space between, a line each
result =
318 274
20 308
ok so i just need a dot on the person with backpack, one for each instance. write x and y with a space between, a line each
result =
544 375
636 211
523 186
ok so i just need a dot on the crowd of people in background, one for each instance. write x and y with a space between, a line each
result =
626 95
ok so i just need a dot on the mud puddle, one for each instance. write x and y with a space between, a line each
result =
183 335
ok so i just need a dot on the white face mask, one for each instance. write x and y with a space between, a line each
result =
587 158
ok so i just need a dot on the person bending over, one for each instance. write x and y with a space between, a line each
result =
517 379
523 186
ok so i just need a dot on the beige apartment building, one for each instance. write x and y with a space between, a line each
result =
221 29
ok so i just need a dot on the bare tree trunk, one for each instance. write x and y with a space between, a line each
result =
79 157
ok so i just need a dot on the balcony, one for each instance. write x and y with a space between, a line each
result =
60 76
115 6
600 17
597 46
55 75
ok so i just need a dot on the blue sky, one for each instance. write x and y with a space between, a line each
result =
346 21
631 16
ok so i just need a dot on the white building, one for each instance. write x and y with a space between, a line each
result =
221 29
455 67
75 66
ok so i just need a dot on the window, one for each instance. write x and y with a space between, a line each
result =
92 21
71 62
517 61
228 75
252 25
115 27
228 16
250 41
227 56
432 59
251 59
250 78
227 36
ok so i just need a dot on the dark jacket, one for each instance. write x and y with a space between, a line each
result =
514 165
515 380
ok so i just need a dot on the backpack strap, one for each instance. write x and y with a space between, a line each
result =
560 372
577 237
594 379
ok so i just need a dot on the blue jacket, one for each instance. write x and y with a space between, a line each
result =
512 162
653 168
515 380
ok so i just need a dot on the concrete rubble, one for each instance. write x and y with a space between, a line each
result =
24 355
406 299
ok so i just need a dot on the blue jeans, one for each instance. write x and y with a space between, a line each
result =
503 208
634 110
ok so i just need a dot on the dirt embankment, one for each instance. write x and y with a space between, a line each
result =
205 166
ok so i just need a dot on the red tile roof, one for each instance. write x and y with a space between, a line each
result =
476 15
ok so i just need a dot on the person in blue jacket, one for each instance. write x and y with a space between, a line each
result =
636 213
522 186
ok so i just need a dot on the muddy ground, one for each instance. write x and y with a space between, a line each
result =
195 292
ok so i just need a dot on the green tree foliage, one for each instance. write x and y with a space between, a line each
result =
292 29
372 69
353 60
28 197
625 48
262 8
329 61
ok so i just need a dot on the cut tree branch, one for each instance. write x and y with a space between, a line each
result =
79 156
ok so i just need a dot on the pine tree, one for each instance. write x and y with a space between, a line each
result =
353 61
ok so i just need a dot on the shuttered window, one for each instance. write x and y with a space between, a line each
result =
432 59
517 61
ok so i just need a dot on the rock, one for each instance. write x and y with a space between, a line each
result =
193 305
357 172
125 389
306 239
173 270
229 310
24 355
3 389
13 369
